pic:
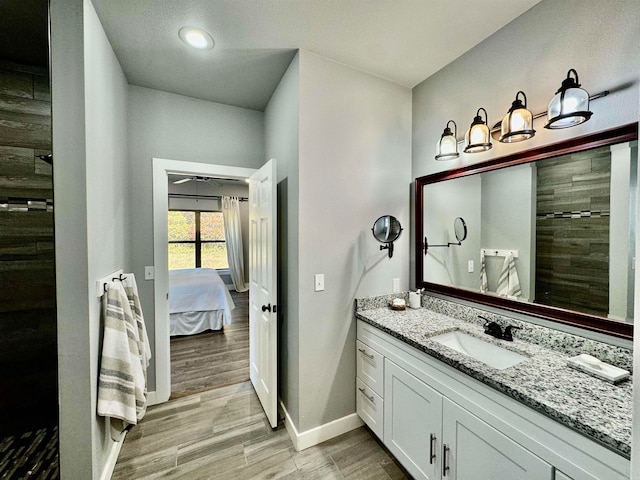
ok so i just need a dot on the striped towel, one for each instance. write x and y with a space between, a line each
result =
131 288
121 381
484 288
509 284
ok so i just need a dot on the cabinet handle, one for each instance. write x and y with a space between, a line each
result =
371 399
445 455
432 455
364 352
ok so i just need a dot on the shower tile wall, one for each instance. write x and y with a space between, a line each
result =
28 358
572 231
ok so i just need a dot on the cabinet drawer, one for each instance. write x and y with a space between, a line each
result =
370 407
370 365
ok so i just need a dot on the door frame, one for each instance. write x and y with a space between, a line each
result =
161 169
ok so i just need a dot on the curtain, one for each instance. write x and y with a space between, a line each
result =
233 238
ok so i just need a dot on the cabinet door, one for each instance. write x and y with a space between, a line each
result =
473 450
412 422
561 476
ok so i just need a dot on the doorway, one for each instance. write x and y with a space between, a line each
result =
162 168
209 349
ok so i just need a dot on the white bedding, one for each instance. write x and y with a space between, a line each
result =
198 301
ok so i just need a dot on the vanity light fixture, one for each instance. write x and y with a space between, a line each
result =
477 137
196 38
570 105
448 144
517 124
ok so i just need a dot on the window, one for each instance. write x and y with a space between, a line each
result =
196 239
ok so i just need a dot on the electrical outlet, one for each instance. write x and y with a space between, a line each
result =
396 285
318 279
470 266
149 273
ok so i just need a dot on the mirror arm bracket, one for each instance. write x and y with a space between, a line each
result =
388 246
426 246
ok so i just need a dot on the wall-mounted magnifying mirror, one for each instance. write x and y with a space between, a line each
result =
460 230
387 229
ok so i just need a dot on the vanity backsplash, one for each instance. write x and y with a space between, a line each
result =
546 337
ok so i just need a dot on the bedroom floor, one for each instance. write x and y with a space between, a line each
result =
212 359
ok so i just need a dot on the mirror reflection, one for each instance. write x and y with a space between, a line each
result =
557 232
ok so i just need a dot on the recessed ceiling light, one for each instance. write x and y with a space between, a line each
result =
196 38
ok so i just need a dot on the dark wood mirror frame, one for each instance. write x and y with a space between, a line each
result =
616 328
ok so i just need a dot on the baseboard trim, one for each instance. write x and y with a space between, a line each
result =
321 433
112 458
152 398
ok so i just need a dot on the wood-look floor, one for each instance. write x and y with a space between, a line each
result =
221 432
212 359
224 434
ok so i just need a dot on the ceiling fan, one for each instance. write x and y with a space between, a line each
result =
197 178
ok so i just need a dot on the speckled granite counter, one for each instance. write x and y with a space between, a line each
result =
543 381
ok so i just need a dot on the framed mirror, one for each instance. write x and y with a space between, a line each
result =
556 224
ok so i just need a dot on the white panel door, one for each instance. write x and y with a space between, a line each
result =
473 450
412 422
263 281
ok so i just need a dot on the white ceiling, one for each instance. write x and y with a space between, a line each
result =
404 41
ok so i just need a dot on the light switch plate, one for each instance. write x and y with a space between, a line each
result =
149 273
396 285
470 266
318 280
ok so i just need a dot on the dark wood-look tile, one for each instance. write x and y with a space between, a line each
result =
16 84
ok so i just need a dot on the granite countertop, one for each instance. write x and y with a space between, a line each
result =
544 382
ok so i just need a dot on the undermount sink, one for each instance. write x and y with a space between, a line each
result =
493 355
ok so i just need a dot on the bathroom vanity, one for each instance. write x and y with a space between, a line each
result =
445 414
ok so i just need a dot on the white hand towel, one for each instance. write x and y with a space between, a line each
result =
509 284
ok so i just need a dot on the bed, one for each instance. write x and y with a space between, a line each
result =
198 301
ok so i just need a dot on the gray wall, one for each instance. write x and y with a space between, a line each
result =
89 97
533 53
444 202
164 125
355 132
508 222
282 143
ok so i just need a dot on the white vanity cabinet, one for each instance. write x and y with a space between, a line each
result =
413 421
436 439
442 424
473 450
369 387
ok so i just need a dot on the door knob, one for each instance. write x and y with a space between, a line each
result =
266 308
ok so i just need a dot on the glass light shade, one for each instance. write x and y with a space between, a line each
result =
570 105
448 144
517 124
477 137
